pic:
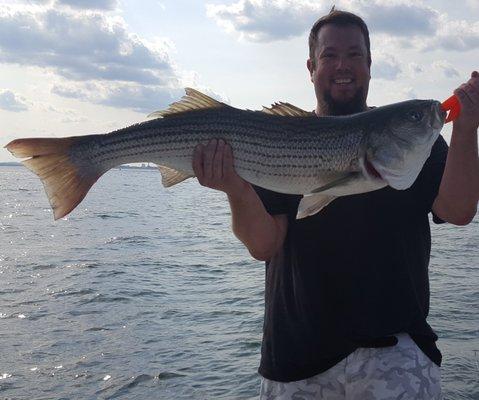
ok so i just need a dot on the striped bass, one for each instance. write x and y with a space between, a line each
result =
282 148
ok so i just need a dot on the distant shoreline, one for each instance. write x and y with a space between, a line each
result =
143 167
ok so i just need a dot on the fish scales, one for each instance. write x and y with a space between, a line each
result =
282 148
285 141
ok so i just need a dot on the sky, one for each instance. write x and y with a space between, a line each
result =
76 67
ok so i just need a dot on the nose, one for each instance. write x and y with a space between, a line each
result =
342 63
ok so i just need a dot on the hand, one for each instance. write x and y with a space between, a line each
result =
213 166
468 95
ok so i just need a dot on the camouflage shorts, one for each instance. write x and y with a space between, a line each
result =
401 372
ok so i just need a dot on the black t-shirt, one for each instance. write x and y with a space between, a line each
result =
357 270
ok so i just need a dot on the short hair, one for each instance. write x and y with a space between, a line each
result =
338 18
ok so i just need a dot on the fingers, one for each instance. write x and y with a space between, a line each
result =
208 163
197 162
468 95
218 161
228 168
208 158
462 96
470 89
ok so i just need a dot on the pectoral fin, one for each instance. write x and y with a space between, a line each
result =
340 182
170 176
312 203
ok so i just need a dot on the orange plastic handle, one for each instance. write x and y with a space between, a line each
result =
453 106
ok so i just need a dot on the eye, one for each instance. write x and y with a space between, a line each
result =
327 55
415 116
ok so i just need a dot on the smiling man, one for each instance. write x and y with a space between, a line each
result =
339 65
347 289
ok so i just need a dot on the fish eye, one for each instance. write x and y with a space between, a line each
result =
415 116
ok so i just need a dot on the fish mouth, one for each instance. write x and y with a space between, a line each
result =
439 116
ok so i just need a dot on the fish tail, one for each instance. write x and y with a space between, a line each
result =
65 183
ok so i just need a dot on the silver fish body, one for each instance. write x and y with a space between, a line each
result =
283 149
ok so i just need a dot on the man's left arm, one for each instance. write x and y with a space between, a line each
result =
458 194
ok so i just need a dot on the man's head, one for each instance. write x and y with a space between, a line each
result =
339 63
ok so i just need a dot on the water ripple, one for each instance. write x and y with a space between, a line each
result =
159 300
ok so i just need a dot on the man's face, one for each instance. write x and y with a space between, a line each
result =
341 72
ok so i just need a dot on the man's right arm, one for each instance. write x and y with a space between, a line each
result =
261 233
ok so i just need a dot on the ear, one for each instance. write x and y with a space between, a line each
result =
309 65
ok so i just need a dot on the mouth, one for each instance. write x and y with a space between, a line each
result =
439 117
343 81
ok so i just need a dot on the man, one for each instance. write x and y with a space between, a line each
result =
347 292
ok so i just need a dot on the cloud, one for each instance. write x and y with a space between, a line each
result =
139 98
407 93
400 19
454 35
90 4
448 70
415 68
270 20
9 101
385 66
103 5
67 115
265 21
142 99
411 24
70 92
82 47
98 60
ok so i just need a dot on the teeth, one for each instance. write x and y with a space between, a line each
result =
343 80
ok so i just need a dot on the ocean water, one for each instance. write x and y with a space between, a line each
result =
144 293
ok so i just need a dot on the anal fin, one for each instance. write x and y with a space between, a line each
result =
311 204
170 176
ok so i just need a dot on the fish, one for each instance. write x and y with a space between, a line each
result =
282 148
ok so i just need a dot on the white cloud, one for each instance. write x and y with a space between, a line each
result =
474 4
446 68
408 93
90 4
66 115
81 47
96 56
142 99
10 101
267 20
139 98
104 5
396 18
411 23
454 35
385 66
415 69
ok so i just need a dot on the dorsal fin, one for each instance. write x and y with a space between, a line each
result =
286 109
193 100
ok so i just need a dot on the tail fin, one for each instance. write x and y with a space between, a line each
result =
65 183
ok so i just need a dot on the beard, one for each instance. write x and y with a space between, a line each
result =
355 105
